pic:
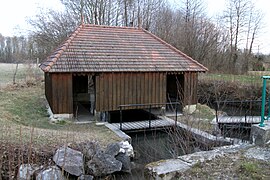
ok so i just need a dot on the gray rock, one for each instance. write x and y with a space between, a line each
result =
52 172
89 149
169 168
26 171
125 160
126 148
86 177
165 169
70 160
113 149
260 135
258 153
103 164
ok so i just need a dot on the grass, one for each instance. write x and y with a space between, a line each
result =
241 79
24 72
27 136
23 111
24 122
204 112
233 166
200 119
250 169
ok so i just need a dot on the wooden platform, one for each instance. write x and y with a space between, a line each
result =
237 119
140 125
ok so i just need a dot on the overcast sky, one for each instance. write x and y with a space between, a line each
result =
13 14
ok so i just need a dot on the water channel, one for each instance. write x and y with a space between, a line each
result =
154 145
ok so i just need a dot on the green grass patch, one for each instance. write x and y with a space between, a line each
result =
251 170
200 119
204 112
25 106
242 79
23 117
249 167
230 166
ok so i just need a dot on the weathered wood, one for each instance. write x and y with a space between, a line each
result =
110 91
62 97
125 89
128 88
114 90
122 87
97 80
138 87
142 89
48 88
101 86
118 89
146 88
132 89
190 88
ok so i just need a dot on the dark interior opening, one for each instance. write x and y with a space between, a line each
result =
131 115
83 96
175 90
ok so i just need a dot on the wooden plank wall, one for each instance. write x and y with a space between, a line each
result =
62 98
114 89
190 88
48 88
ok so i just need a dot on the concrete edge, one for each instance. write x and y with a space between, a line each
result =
118 132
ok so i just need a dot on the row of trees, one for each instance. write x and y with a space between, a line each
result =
225 43
13 48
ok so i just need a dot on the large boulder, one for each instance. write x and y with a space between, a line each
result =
70 160
26 171
88 148
52 172
103 164
125 160
113 149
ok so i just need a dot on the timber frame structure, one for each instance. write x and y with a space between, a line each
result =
111 66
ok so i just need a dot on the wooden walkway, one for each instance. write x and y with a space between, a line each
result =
237 119
141 125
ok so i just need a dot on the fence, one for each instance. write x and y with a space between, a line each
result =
239 108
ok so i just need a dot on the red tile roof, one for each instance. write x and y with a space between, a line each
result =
93 48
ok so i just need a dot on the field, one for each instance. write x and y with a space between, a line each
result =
26 135
24 73
251 78
24 114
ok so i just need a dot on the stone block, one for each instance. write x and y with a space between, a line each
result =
260 135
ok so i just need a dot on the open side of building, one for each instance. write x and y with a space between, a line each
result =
99 68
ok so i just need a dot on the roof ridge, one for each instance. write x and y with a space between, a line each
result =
174 49
60 50
106 26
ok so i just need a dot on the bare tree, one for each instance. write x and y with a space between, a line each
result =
243 22
50 29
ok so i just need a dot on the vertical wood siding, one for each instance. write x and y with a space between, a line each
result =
48 88
190 88
61 97
114 89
